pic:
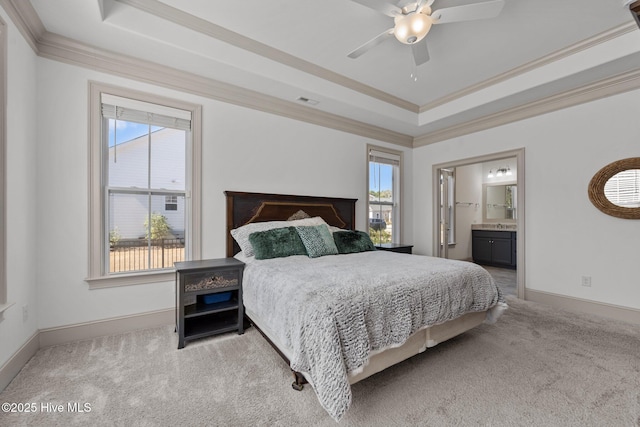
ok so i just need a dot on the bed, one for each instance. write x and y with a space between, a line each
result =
338 317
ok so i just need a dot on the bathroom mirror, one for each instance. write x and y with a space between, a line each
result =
499 201
615 189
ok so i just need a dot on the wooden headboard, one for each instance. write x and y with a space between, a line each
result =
243 208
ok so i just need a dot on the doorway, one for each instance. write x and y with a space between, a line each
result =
451 234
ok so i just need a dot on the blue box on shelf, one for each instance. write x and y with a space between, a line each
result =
218 297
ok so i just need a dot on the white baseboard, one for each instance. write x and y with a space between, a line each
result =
78 332
117 325
20 358
564 302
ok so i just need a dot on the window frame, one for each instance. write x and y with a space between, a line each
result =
3 165
98 277
396 234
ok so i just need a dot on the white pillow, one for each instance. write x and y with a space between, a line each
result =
240 256
335 229
241 234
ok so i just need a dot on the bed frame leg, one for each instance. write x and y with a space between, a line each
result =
299 381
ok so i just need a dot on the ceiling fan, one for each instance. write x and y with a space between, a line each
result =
414 20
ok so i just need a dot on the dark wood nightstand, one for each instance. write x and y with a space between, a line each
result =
395 247
208 298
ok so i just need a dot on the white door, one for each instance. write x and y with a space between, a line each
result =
446 212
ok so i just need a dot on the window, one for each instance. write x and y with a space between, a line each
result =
145 181
3 168
384 195
170 203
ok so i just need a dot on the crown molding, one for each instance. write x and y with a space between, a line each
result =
59 48
540 62
63 49
184 19
603 88
24 16
197 24
194 23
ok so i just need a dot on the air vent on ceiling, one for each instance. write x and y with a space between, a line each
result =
307 100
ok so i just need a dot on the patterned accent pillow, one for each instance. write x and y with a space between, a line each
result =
349 242
241 234
317 240
277 243
299 215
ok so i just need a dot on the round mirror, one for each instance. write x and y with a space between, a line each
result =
615 189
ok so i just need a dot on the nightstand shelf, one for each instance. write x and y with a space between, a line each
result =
201 308
197 284
201 326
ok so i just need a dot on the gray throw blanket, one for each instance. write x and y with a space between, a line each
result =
332 312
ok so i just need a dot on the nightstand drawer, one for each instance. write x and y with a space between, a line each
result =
202 281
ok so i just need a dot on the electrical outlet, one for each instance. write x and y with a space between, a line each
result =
586 281
25 313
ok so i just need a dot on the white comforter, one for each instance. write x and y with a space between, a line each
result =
332 312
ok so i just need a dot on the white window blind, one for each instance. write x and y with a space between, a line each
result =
384 158
115 107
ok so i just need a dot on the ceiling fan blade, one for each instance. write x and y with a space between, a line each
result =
489 9
381 6
424 3
371 43
420 52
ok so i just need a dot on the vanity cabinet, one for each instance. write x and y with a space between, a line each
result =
496 248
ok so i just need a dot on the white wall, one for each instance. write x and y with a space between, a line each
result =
243 150
21 200
566 236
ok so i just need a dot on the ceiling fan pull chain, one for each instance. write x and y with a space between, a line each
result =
413 68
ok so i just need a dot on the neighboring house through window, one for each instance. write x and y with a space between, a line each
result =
383 205
143 214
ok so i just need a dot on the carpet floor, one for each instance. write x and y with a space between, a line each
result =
537 366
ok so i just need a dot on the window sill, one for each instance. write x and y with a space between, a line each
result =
3 308
130 279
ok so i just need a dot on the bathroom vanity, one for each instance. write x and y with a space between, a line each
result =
496 247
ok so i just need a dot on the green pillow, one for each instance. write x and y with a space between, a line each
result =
276 243
317 240
349 242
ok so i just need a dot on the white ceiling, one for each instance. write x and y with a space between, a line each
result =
293 48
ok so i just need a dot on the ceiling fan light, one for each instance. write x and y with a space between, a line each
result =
412 28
